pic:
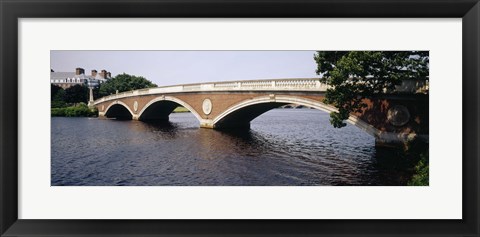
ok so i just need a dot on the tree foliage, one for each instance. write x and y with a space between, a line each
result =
54 89
124 82
355 75
57 96
76 94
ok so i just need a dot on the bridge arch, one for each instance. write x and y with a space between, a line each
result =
161 107
119 110
245 111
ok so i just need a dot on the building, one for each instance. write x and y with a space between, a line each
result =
78 77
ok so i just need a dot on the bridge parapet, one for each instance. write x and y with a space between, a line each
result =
273 85
287 84
304 84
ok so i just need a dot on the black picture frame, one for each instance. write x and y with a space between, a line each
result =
12 10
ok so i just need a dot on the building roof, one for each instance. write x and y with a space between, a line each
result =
63 75
98 77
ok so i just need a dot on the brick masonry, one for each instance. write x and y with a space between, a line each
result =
376 114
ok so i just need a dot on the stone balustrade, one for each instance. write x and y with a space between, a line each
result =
301 84
308 84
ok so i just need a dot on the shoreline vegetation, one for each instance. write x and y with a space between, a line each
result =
416 161
82 110
418 153
181 109
76 110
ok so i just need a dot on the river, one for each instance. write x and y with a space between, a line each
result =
283 147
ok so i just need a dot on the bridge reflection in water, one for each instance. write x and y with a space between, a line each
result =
391 118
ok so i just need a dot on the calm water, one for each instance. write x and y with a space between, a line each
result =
283 147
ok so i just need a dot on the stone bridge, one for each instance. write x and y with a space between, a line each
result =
392 118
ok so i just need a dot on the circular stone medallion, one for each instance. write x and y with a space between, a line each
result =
135 106
398 115
207 106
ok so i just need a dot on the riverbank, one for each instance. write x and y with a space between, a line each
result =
180 109
79 110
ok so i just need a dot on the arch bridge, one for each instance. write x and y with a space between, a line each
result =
391 118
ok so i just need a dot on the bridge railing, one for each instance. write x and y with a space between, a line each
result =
283 84
303 84
308 84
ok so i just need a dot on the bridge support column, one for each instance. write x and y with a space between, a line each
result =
206 123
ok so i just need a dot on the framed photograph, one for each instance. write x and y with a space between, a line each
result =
164 118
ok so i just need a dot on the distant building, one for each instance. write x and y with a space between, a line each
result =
68 79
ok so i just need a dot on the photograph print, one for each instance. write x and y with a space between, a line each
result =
239 118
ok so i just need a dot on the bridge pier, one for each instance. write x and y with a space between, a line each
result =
206 123
101 115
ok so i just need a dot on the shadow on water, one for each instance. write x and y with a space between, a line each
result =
162 126
244 134
162 129
236 143
248 137
392 167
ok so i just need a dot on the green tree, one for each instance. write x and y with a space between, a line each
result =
57 96
355 75
54 90
76 94
124 82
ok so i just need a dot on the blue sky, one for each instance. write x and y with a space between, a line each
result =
181 67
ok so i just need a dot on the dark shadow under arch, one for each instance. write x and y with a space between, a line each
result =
241 118
119 112
159 111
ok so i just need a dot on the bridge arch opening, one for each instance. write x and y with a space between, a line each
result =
119 110
158 111
160 108
241 114
241 117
